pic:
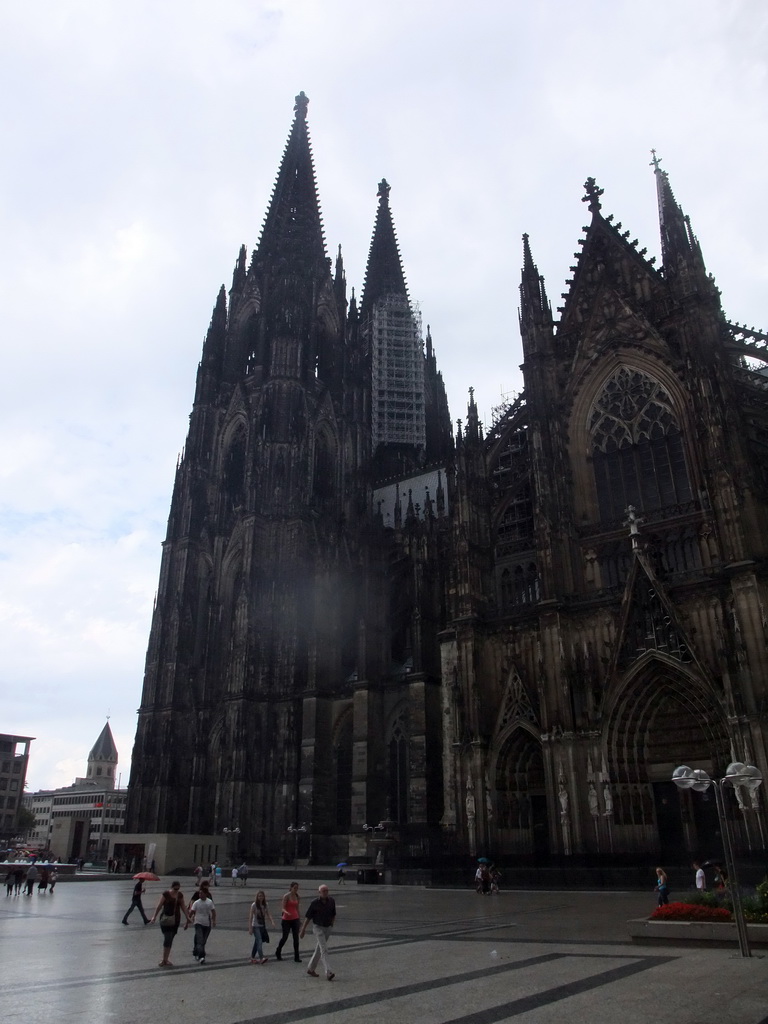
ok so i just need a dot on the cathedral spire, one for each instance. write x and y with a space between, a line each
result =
293 227
679 245
384 272
534 305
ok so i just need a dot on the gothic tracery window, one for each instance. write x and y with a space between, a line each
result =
637 447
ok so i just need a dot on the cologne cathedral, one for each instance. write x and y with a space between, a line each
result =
498 639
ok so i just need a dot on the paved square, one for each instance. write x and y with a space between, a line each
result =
439 956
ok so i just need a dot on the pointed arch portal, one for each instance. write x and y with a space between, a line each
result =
664 716
521 795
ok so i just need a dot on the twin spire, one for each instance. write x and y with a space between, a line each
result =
293 226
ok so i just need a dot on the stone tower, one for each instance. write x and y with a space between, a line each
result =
270 700
102 760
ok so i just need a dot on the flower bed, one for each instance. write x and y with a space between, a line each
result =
690 912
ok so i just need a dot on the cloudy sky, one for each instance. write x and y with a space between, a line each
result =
141 141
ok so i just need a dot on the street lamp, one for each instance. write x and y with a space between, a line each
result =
294 830
736 774
231 834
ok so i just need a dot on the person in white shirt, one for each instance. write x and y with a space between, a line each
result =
701 879
203 914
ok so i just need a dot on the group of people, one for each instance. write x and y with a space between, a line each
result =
720 881
487 878
201 914
240 874
211 874
19 877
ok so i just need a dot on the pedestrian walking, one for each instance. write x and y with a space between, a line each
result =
234 876
199 874
342 872
662 886
289 919
203 916
242 873
258 916
18 880
136 904
9 882
53 880
32 876
42 885
322 913
701 878
169 909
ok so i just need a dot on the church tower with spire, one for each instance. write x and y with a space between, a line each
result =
284 602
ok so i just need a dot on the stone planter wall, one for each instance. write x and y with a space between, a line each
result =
704 933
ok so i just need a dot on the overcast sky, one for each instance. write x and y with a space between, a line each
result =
141 141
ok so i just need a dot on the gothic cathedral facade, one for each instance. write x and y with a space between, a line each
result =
502 639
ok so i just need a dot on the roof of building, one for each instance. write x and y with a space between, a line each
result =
104 748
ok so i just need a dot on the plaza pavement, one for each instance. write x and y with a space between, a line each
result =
400 954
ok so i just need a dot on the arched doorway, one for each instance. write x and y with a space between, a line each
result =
521 812
664 716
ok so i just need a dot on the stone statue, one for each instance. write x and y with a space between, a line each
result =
607 800
594 808
562 795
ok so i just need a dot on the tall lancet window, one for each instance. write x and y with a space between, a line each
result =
637 448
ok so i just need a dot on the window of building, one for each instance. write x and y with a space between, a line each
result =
637 448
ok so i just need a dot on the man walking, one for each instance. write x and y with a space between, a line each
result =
322 913
204 917
138 891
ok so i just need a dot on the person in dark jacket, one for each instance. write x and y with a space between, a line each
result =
136 904
322 913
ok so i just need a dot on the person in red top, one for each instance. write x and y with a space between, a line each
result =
290 922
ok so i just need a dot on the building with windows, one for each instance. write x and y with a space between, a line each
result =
14 759
81 820
499 640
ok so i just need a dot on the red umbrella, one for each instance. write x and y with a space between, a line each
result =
148 876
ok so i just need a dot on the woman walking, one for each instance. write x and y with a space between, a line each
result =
169 908
257 927
662 886
290 922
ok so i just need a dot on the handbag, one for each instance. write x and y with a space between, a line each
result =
264 933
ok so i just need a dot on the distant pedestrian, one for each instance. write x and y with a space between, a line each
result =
215 869
721 877
203 915
290 922
54 880
662 886
234 876
258 916
42 885
136 904
32 876
322 913
169 909
340 876
495 878
701 878
198 874
242 873
9 882
18 879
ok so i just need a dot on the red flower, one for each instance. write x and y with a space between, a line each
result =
690 912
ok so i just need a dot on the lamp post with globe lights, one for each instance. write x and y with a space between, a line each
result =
232 840
736 774
295 830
